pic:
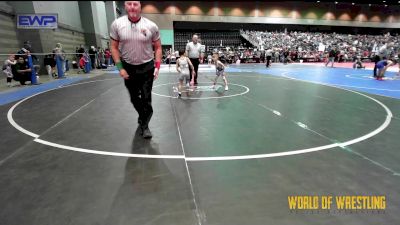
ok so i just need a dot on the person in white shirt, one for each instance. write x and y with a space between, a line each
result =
135 42
268 56
7 68
196 54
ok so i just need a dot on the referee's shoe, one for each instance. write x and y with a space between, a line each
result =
147 133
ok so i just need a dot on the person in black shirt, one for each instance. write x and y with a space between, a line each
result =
285 56
23 52
92 55
21 71
331 56
81 50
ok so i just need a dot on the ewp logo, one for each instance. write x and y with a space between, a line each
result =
34 21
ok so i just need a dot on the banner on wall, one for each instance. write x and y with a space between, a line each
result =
37 21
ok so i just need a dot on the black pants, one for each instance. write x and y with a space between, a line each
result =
93 61
377 58
268 61
139 85
22 77
195 62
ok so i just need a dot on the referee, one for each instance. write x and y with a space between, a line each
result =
132 40
196 54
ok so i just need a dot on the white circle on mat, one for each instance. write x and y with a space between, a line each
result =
37 139
246 90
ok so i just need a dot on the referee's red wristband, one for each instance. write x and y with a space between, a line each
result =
157 64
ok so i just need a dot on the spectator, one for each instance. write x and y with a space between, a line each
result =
107 56
83 61
100 58
81 51
312 44
77 57
7 70
24 53
58 53
358 63
21 71
268 56
50 64
331 56
93 54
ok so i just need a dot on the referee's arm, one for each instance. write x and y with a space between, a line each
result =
114 51
116 57
157 50
158 54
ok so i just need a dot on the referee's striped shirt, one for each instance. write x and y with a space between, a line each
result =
135 39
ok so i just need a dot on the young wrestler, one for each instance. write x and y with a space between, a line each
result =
382 66
182 66
220 71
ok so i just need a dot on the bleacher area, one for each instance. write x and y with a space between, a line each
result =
208 38
310 45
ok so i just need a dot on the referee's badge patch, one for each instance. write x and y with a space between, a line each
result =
144 32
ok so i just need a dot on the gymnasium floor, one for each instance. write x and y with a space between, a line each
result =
71 153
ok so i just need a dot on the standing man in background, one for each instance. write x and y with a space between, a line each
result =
382 54
133 38
268 56
92 55
331 56
196 54
81 51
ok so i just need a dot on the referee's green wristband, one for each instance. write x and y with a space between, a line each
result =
119 65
